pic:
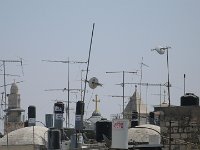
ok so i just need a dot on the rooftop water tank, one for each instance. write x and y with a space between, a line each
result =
120 134
31 116
58 115
189 99
54 139
134 121
103 127
49 120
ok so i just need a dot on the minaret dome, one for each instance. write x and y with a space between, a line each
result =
14 88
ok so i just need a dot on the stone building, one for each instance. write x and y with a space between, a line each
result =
181 124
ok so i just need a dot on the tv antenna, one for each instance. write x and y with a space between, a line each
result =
123 72
67 108
164 95
150 84
66 62
4 74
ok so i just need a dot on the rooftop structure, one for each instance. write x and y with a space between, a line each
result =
25 138
136 105
13 117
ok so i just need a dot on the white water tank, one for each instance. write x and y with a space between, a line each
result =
120 134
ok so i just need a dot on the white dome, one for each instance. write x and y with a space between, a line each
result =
24 136
141 133
14 88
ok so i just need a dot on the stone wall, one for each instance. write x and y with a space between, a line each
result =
184 122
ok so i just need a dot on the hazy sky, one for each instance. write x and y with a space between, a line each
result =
125 31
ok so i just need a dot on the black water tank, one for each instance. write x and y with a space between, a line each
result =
31 112
54 139
152 118
103 127
134 121
189 99
31 116
59 107
49 120
80 108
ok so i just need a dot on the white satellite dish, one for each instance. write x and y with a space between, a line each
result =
161 50
93 83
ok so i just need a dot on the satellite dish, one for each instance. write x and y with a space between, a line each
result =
93 83
160 50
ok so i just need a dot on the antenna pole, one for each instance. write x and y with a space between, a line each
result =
160 95
4 81
184 84
123 95
68 97
168 85
88 62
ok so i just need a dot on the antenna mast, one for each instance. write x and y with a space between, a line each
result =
68 62
141 65
88 62
123 72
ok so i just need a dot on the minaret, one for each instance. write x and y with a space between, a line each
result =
13 112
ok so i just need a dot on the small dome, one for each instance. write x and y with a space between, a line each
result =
95 113
14 88
140 134
24 136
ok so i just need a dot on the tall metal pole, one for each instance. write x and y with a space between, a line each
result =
160 95
4 81
168 85
88 62
68 98
123 94
184 84
161 50
81 86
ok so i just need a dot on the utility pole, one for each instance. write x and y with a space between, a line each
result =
123 72
66 62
